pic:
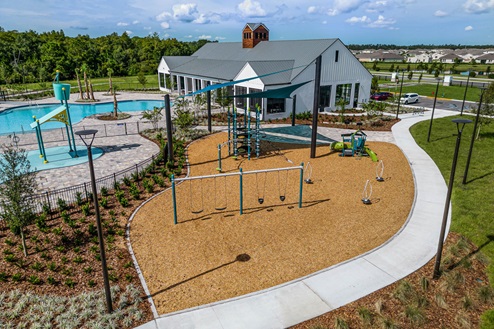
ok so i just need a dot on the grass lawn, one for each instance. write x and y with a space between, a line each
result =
99 84
473 203
426 89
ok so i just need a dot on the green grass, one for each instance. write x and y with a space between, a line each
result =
472 203
99 84
423 89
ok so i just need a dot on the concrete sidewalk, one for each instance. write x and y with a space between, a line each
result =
294 302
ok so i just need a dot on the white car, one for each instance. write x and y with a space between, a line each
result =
409 98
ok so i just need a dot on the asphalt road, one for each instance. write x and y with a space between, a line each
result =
446 104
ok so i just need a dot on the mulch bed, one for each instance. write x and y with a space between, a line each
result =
455 300
198 260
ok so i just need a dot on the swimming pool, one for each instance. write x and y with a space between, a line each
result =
18 119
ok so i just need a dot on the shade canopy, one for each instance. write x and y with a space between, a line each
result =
283 92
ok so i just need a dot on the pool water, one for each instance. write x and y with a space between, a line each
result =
18 119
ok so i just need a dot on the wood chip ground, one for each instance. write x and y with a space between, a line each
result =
196 261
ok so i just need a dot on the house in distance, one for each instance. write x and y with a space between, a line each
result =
342 75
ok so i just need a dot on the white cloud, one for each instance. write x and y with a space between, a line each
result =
188 36
165 25
185 12
478 6
207 19
219 38
250 8
332 12
206 37
383 22
312 10
166 35
440 13
354 19
469 28
325 22
135 22
346 6
129 32
122 24
147 27
163 16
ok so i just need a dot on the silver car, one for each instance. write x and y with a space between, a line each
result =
409 98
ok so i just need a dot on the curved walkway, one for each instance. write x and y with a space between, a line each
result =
294 302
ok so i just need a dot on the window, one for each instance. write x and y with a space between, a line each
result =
355 94
254 101
257 35
240 102
325 96
336 55
275 105
343 93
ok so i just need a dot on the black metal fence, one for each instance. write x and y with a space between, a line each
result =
81 194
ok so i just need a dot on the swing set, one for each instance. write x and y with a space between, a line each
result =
198 207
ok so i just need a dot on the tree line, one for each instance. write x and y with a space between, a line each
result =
27 57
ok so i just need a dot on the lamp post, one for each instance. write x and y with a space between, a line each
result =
433 108
460 124
467 166
87 137
465 94
399 98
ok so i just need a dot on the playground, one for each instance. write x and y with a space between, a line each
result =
215 253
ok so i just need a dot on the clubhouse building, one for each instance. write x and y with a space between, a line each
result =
342 76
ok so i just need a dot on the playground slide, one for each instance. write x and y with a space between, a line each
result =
338 146
371 154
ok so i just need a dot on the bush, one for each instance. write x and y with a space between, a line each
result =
78 198
134 191
85 209
104 191
104 202
62 204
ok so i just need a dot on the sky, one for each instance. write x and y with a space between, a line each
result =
399 22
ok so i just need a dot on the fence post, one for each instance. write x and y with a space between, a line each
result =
125 125
114 180
137 126
85 190
137 174
106 135
49 205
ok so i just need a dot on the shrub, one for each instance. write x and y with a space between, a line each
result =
88 270
37 266
51 280
126 181
70 283
85 209
17 277
46 208
41 221
91 283
62 204
134 191
92 230
135 176
65 216
34 279
53 267
78 198
104 191
10 258
3 276
104 202
148 185
78 260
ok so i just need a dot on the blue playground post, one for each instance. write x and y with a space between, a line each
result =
37 138
258 142
43 152
241 194
248 137
229 130
66 92
235 151
301 185
174 198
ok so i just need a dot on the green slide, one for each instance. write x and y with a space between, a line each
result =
371 154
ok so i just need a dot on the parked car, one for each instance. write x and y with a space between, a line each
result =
409 98
381 96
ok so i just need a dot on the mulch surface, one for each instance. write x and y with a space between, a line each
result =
213 253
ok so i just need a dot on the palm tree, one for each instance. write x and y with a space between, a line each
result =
79 85
110 81
86 83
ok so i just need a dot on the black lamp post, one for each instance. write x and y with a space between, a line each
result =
87 137
433 108
467 166
399 98
465 94
460 123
